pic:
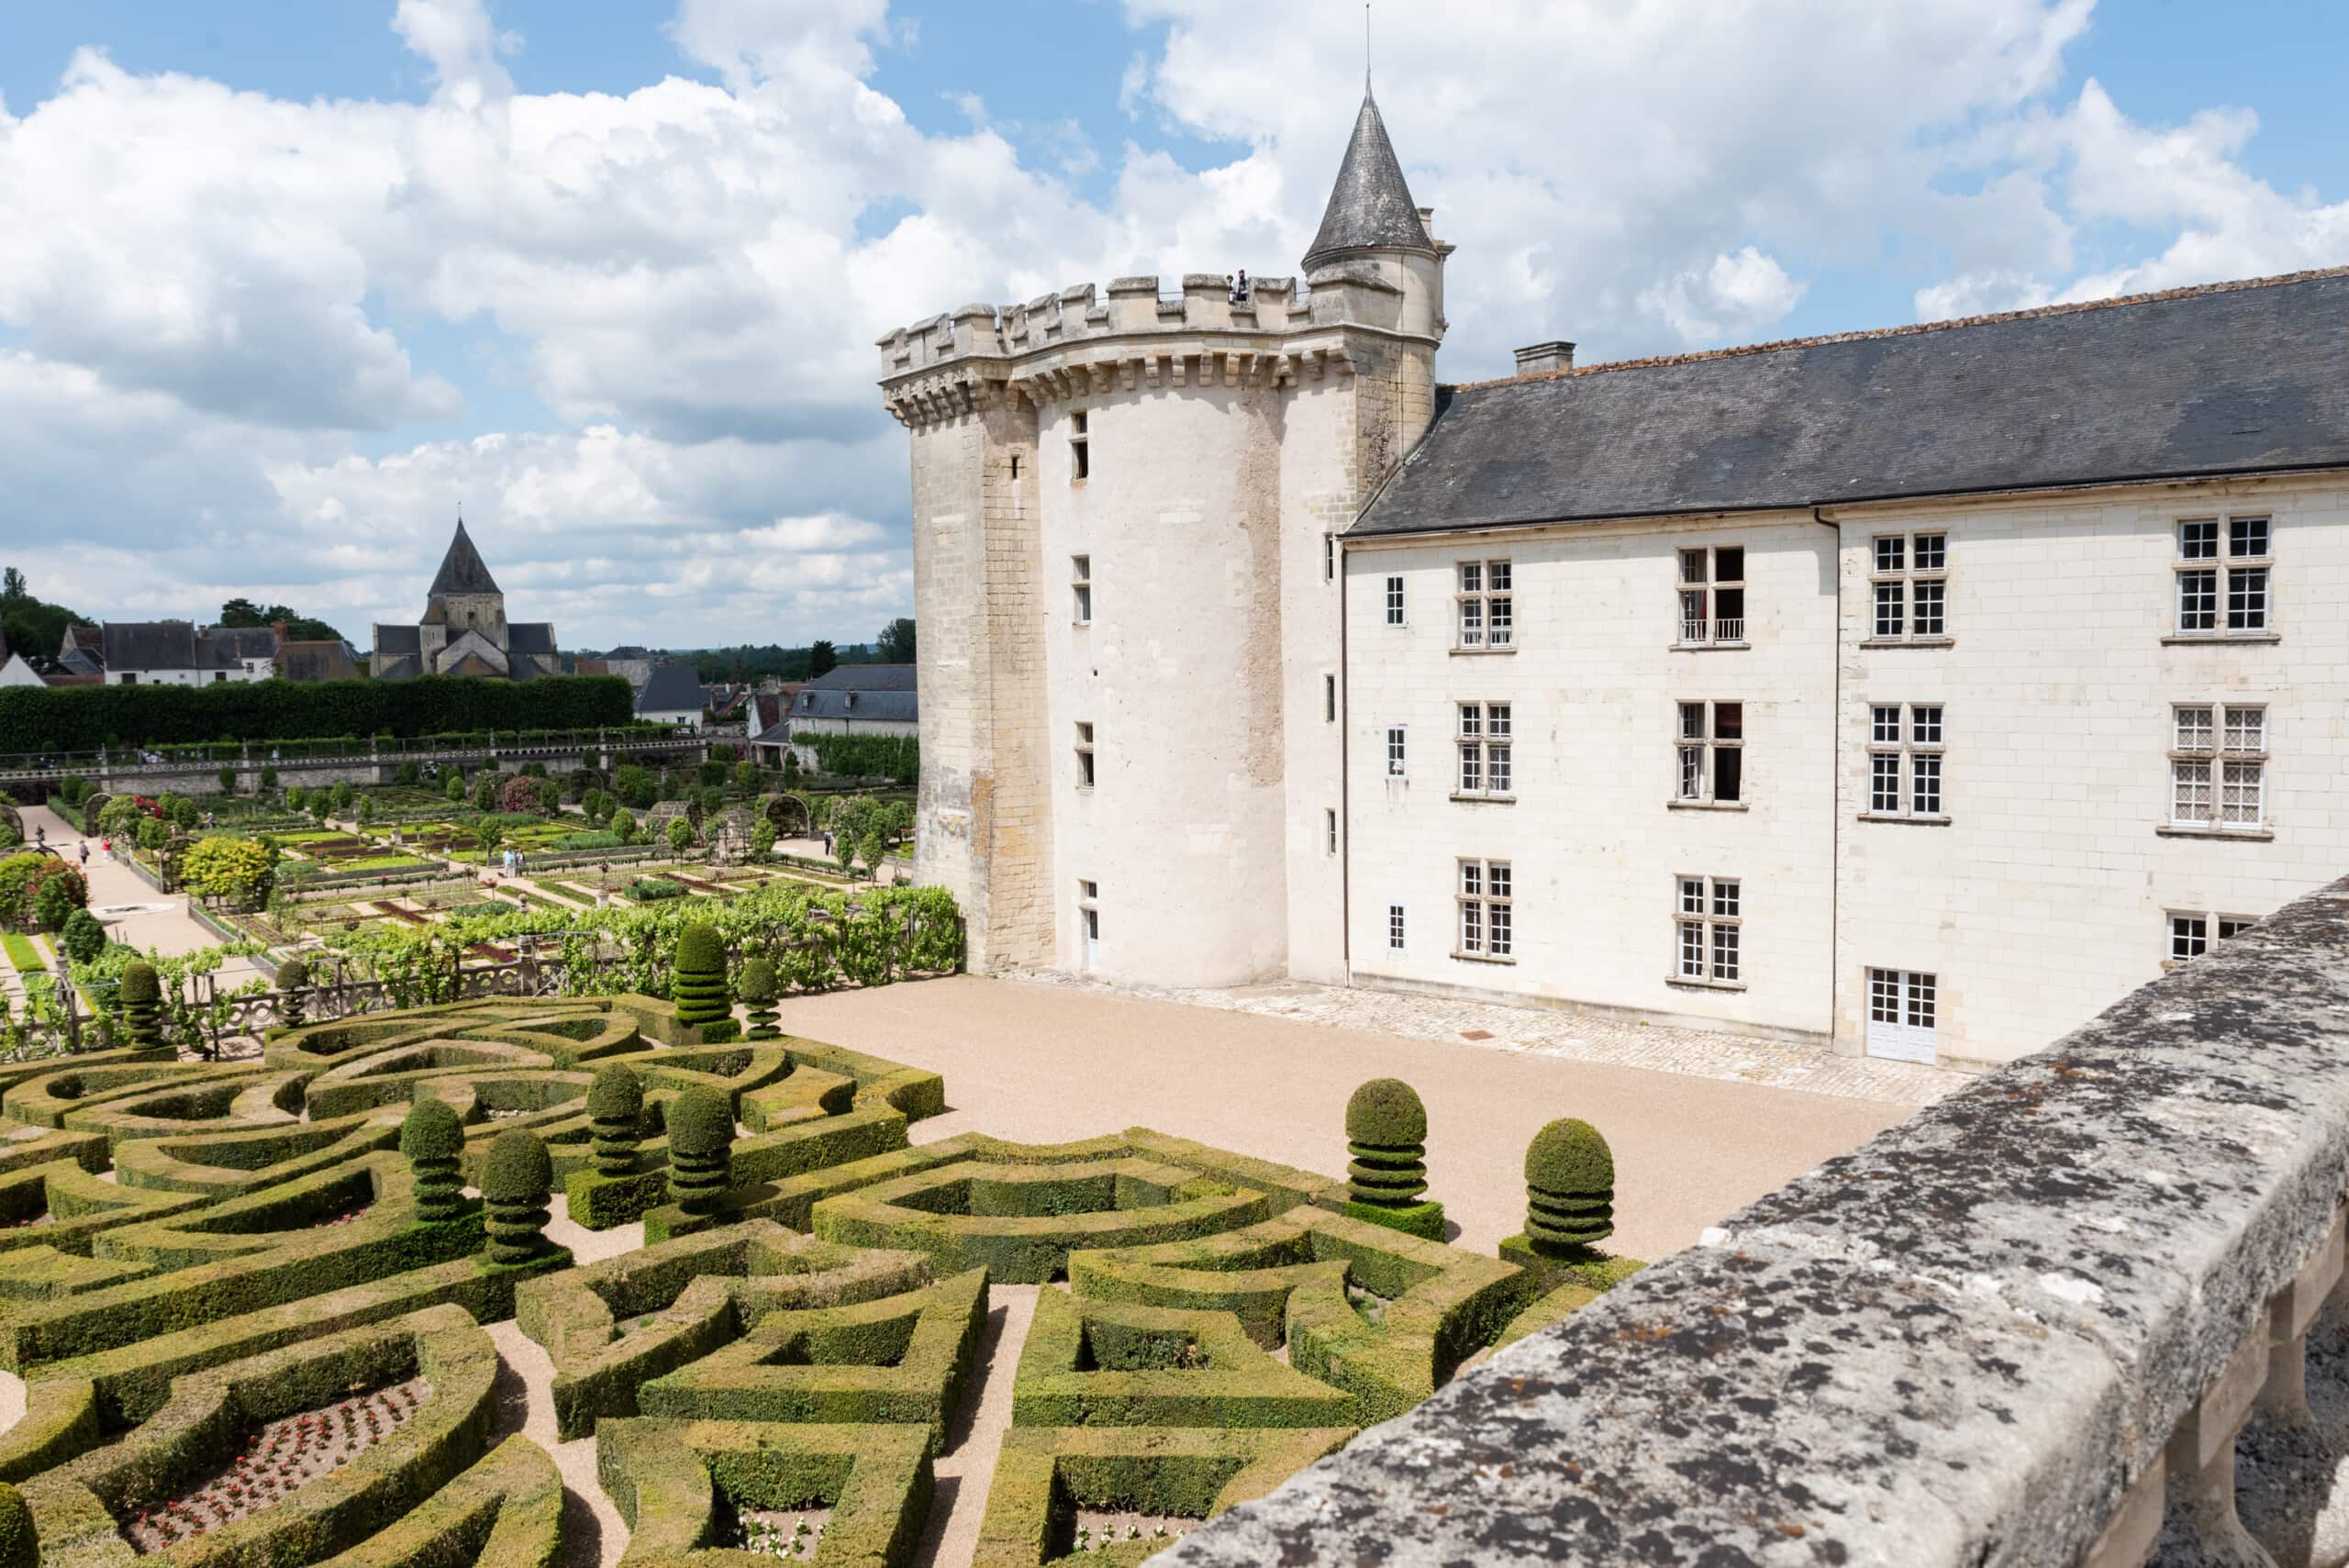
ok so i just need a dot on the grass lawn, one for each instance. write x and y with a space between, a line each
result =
23 956
382 863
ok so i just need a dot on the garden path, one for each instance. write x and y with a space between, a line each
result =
134 913
1048 1062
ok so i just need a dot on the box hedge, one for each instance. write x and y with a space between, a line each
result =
673 1481
504 1512
901 1358
1099 1364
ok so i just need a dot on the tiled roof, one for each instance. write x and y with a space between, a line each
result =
2232 378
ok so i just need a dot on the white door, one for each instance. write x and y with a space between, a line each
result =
1901 1012
1092 939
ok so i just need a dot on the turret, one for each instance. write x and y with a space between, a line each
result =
1373 233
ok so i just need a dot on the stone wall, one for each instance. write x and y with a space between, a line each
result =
2073 1314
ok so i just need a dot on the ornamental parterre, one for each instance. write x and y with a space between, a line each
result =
252 1304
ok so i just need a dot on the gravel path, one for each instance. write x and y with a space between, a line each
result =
973 1440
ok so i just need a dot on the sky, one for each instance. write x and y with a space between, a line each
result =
283 285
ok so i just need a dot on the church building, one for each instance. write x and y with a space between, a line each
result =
464 630
1919 692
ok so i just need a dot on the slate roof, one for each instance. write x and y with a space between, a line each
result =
83 639
2228 378
864 678
530 637
241 641
674 688
151 645
1369 205
462 571
397 640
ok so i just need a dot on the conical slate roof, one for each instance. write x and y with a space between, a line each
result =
1369 206
462 570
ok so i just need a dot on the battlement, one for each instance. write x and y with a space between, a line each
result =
1134 307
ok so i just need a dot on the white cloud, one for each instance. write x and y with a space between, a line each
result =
214 297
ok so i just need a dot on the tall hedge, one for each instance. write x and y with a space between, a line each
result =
515 1185
698 980
701 1146
615 1102
82 718
433 1139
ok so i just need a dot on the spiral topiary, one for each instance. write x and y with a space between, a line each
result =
432 1138
1569 1188
758 989
515 1183
1386 1130
697 977
20 1547
701 1144
142 1006
615 1110
293 979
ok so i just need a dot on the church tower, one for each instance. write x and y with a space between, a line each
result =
1124 510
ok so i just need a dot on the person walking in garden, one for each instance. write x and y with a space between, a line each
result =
106 850
84 848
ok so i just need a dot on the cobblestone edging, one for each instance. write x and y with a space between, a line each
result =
2025 1326
1574 1037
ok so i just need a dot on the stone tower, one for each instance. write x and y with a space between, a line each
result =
1123 511
465 597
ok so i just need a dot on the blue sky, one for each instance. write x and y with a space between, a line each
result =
607 274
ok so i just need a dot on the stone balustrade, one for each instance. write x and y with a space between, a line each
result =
2086 1311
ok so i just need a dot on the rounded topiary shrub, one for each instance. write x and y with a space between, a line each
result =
697 977
1386 1129
701 1144
432 1138
83 938
19 1548
758 989
515 1183
615 1111
142 1006
1569 1187
293 979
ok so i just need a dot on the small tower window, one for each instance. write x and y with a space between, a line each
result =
1080 448
1083 755
1081 585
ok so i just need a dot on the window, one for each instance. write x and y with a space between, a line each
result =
1706 925
1328 699
1904 1013
2189 934
1485 750
1088 921
1712 595
1329 557
1081 581
1905 761
1394 601
1909 583
1487 928
1331 816
2218 767
1395 752
2234 584
1488 615
1080 449
1712 752
1393 928
1084 756
130 677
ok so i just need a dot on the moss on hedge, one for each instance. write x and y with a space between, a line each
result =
670 1480
18 1547
1099 1364
506 1512
141 997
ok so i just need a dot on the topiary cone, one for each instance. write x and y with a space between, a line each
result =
433 1140
515 1183
142 1006
758 989
1569 1188
697 975
1386 1129
701 1144
20 1547
615 1112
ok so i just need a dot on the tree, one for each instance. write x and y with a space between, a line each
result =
227 780
895 643
485 790
761 838
83 938
821 658
12 585
340 796
236 871
681 835
455 789
746 777
623 823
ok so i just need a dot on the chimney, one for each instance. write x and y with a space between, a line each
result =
1542 359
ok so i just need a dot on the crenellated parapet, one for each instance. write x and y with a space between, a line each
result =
1084 341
